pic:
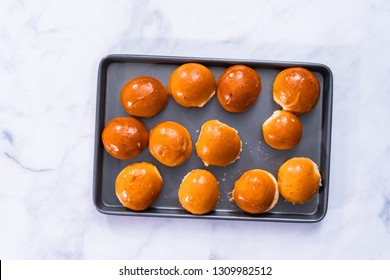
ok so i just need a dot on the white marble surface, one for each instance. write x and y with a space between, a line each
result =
49 55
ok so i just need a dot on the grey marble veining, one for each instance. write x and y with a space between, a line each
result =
49 56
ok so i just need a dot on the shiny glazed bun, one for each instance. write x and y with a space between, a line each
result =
218 144
170 143
238 88
283 130
125 138
256 191
138 185
299 179
144 97
192 85
199 192
296 89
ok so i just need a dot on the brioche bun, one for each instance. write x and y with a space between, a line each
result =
138 185
299 179
170 143
238 88
256 191
199 192
218 144
192 85
283 130
143 97
296 90
125 138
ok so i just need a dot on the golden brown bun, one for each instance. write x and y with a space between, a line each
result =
124 138
298 179
256 191
218 144
199 192
192 85
238 88
144 97
296 89
283 130
170 143
138 185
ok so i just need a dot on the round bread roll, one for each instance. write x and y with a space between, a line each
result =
296 89
199 192
299 179
138 185
192 85
238 88
256 191
144 97
218 144
125 138
170 143
283 130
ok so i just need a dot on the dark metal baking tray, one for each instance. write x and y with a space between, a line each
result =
116 70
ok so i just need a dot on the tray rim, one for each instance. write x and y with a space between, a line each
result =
161 59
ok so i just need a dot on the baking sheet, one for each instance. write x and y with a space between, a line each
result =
115 70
